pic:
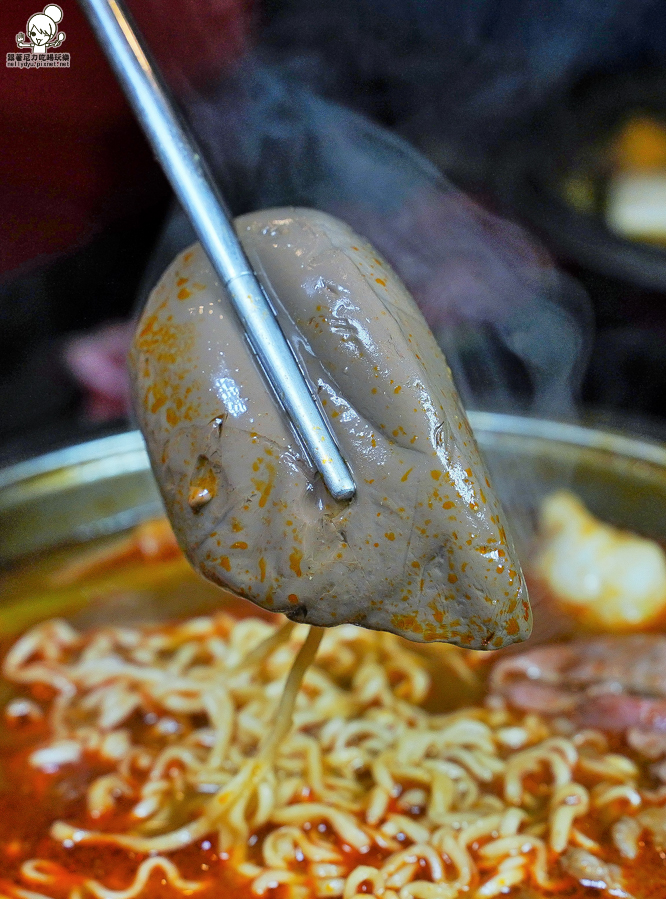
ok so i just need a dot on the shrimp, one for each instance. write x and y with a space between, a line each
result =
608 579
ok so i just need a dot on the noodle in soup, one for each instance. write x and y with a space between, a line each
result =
144 763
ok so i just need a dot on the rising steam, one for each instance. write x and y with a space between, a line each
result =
514 329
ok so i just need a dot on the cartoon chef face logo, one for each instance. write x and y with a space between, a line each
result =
42 30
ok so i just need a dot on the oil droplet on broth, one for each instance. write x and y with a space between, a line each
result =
203 484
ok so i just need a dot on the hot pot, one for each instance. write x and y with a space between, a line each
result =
105 486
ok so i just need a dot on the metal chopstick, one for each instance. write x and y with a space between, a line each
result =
182 161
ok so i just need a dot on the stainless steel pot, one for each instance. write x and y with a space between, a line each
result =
106 485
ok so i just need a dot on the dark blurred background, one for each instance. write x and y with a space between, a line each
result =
508 156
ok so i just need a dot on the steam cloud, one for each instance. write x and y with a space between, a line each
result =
513 329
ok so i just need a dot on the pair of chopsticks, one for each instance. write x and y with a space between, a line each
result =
182 161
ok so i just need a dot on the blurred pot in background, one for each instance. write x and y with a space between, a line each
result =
589 176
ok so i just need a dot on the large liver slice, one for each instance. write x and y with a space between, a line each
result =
422 549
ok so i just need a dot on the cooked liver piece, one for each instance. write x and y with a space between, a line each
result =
422 549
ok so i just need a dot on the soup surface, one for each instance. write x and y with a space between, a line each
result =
137 699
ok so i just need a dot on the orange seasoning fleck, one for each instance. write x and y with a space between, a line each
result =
381 281
262 569
184 293
239 544
435 475
266 487
203 485
295 561
159 399
407 623
224 562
